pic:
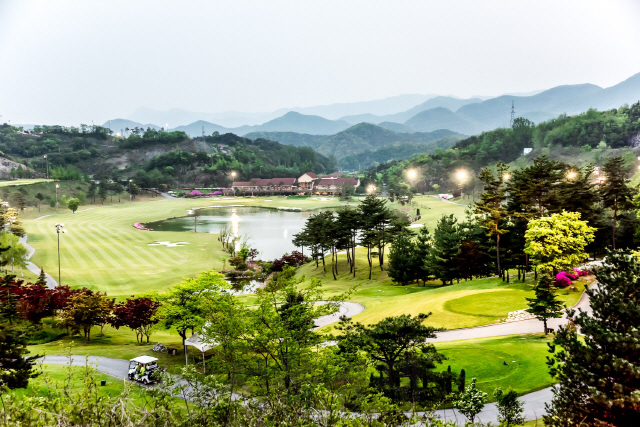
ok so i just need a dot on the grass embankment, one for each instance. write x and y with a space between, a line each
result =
57 380
118 344
484 358
465 304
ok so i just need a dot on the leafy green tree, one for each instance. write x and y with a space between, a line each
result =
184 306
545 305
40 198
403 262
491 208
615 192
557 242
597 375
446 246
102 192
73 204
274 347
389 342
471 402
84 310
510 409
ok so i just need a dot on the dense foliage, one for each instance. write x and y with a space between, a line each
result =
593 130
598 375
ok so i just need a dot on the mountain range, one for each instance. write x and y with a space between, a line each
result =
423 113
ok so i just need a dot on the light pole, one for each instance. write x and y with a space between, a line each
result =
57 186
59 229
233 177
47 160
130 199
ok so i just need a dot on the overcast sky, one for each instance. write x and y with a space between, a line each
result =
71 62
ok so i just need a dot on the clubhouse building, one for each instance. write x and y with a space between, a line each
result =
307 184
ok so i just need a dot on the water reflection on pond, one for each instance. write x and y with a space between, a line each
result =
269 231
243 287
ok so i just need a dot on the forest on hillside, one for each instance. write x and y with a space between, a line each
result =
154 157
591 137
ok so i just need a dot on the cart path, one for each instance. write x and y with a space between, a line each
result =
348 309
530 326
51 282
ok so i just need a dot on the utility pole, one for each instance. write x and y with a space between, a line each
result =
513 113
47 160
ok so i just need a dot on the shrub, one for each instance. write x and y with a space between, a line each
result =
562 280
292 260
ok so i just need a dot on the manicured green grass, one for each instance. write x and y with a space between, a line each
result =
116 343
484 358
55 380
103 251
465 304
23 181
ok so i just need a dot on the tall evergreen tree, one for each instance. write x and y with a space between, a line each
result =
615 192
491 208
423 248
598 374
446 246
545 305
403 262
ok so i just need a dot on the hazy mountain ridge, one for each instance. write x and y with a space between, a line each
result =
356 139
467 116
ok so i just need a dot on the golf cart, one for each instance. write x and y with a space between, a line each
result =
142 369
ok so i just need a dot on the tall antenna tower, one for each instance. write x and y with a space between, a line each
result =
203 131
513 113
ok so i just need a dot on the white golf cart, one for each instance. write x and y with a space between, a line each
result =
143 368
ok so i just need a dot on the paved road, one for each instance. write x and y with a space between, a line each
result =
348 309
533 409
531 326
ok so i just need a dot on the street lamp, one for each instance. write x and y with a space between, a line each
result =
371 189
47 160
506 177
130 199
571 174
57 186
233 176
412 174
59 229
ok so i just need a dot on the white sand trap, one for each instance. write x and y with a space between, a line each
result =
169 244
416 225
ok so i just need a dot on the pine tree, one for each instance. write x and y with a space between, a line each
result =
423 247
42 279
598 374
545 305
446 246
403 267
491 208
15 368
616 194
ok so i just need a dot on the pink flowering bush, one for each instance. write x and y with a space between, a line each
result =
581 272
139 226
562 279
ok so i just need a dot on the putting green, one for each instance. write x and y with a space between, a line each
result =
525 356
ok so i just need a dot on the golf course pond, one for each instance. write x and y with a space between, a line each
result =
270 231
